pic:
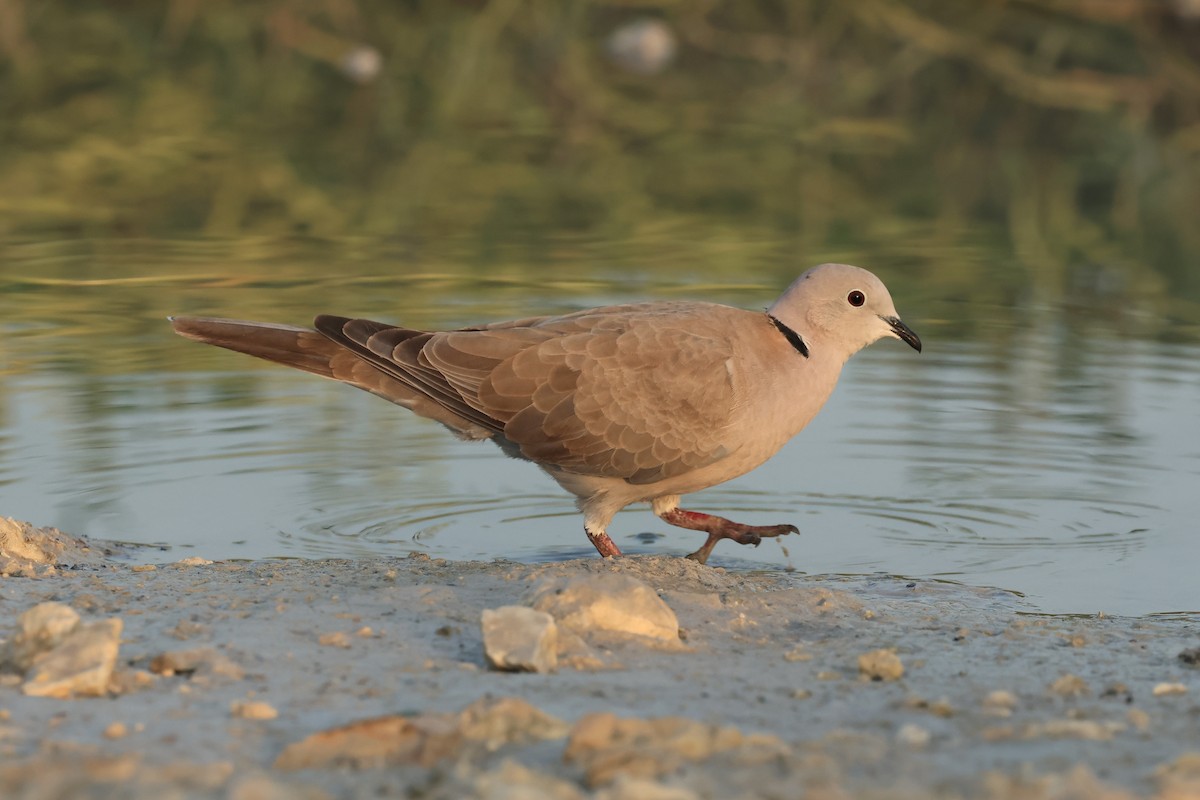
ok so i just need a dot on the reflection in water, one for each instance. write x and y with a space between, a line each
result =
1050 460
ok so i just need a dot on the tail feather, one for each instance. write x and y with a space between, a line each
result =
284 344
315 353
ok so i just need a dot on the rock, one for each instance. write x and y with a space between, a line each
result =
116 730
192 561
1070 686
494 723
202 662
334 639
41 628
645 46
513 781
626 788
127 681
913 736
1088 729
252 709
607 746
1191 657
880 665
81 664
258 786
26 551
520 639
1179 779
1000 703
1163 689
608 602
425 739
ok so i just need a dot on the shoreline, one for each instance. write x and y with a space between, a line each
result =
771 687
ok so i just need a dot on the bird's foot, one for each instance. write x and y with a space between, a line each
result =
719 528
604 545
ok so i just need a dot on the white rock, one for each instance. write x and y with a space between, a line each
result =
608 602
519 639
42 628
80 665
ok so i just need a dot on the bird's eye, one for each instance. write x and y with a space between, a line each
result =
856 298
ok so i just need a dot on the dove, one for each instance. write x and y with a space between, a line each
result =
622 404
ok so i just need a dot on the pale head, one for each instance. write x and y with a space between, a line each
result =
842 307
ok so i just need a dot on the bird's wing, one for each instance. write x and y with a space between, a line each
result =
632 393
641 393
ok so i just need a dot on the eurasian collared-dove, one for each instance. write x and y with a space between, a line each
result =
619 404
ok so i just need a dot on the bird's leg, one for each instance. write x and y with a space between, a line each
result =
719 528
604 545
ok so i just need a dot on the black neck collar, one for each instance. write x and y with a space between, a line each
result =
794 339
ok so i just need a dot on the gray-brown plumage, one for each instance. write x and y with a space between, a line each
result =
619 404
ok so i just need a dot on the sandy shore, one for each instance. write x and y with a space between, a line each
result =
350 679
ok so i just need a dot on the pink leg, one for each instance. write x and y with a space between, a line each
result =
604 545
719 528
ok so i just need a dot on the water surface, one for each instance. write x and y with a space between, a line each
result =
1043 448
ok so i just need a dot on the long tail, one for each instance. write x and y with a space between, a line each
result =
314 352
284 344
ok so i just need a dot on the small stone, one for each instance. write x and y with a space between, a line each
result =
608 602
365 632
1000 703
81 664
1191 657
797 653
801 694
1087 729
425 739
192 561
202 662
334 639
1070 686
519 639
253 709
127 681
1164 689
1139 719
880 665
186 629
144 568
610 748
116 730
913 735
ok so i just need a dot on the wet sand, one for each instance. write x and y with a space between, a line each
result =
226 672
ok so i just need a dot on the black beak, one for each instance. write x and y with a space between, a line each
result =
904 332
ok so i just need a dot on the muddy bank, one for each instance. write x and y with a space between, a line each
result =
372 678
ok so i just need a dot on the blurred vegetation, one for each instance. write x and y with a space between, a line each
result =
1060 137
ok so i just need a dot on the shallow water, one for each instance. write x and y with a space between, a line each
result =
1045 450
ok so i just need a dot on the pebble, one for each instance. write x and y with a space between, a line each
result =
334 639
519 639
144 568
913 735
608 747
253 709
608 602
192 561
116 730
1000 703
1069 685
1163 689
880 665
1139 719
199 661
424 739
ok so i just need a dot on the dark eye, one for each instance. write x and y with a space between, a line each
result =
856 298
